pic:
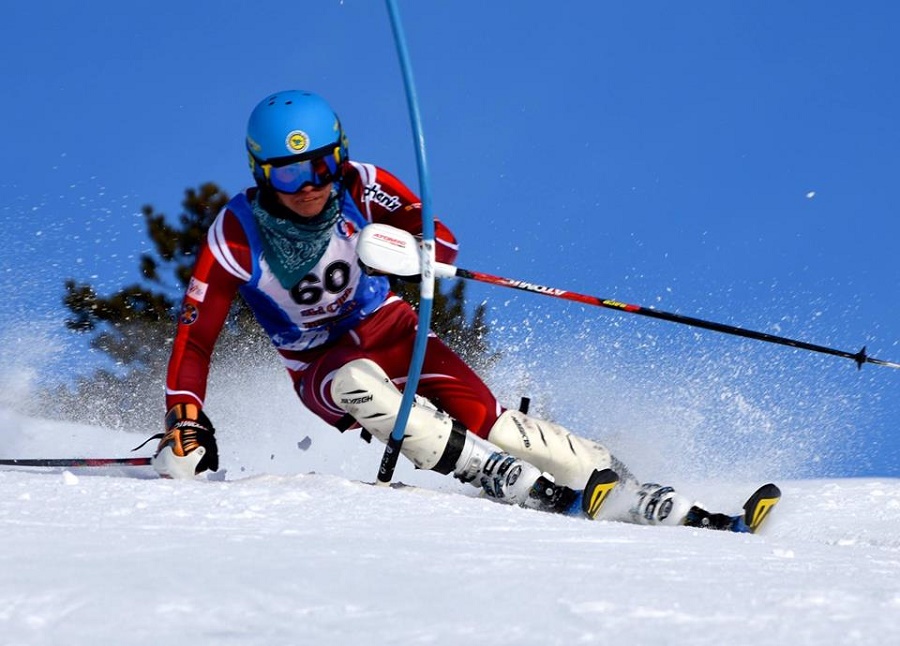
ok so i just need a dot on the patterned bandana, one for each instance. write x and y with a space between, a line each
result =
293 246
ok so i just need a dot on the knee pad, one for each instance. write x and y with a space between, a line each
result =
432 440
570 459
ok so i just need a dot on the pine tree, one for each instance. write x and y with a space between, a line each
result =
147 305
467 338
134 326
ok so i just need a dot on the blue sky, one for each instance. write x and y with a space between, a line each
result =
729 160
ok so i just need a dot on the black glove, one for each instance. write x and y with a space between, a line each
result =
188 430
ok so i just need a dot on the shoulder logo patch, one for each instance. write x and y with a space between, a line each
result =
189 314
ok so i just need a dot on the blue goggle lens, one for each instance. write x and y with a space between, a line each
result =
291 177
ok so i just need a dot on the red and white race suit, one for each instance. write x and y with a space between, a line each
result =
335 314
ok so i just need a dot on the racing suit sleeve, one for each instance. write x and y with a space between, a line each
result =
207 301
384 198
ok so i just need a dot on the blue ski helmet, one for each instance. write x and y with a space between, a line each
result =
294 138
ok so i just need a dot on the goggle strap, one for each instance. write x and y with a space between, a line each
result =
331 149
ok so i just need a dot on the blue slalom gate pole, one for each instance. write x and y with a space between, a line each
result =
392 450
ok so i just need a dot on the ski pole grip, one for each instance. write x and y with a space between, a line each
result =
443 270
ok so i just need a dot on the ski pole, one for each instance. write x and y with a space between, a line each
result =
449 271
392 251
74 462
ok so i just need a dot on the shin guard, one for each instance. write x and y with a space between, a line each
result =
551 448
433 440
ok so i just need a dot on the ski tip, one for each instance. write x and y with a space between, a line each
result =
597 490
758 506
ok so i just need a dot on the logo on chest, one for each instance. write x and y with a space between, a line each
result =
345 229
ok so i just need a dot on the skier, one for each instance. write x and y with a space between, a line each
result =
288 245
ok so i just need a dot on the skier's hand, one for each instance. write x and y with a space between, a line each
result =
188 446
387 250
417 278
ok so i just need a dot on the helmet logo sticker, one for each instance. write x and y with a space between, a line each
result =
297 141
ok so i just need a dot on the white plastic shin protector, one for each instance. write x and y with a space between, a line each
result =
571 460
550 447
364 390
433 440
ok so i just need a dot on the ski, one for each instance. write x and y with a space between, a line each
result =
548 496
586 503
758 506
597 490
756 510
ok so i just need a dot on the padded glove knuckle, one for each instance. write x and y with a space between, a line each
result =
187 430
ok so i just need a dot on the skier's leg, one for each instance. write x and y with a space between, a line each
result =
571 459
387 338
435 441
552 448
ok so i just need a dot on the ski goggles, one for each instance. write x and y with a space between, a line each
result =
285 175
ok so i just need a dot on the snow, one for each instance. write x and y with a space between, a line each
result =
276 554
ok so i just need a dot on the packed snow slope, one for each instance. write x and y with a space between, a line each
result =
274 553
